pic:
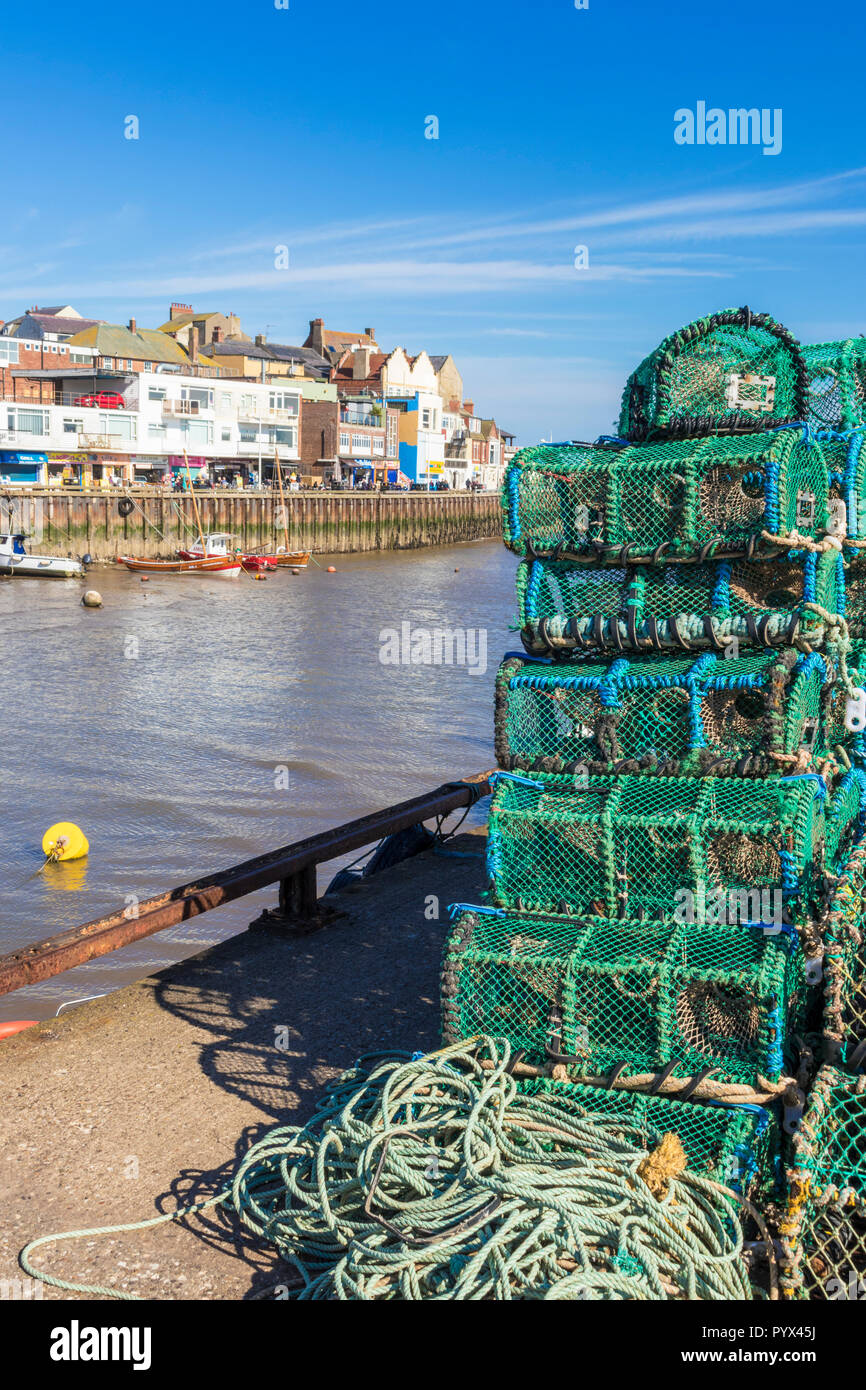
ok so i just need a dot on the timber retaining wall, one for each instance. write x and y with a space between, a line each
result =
80 523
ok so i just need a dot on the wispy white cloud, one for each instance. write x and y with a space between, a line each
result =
418 278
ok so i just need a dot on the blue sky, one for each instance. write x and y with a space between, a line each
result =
305 127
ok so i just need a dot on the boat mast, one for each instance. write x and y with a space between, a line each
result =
282 497
194 504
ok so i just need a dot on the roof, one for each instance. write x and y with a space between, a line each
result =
50 323
332 337
439 361
145 345
345 371
184 320
283 352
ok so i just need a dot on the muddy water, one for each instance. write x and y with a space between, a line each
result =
191 723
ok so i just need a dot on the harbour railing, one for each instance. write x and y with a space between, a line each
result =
293 868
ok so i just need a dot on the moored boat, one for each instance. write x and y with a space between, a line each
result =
225 568
14 560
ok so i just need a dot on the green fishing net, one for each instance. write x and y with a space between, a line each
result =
591 994
663 846
680 497
732 371
723 604
836 394
763 713
824 1229
736 1145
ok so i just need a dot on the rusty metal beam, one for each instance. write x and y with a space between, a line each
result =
31 964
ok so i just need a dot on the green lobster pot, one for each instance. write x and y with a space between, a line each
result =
591 995
690 498
844 965
729 373
721 605
762 714
736 1145
824 1229
726 849
836 390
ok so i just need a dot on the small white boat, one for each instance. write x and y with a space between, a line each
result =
15 560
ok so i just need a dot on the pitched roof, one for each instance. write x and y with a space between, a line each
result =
145 345
439 362
49 323
232 347
184 320
332 337
345 370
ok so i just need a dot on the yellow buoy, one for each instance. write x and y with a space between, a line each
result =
64 841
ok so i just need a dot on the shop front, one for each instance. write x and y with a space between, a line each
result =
22 470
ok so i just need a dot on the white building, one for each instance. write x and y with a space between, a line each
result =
139 425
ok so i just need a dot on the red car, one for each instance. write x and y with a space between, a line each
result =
105 400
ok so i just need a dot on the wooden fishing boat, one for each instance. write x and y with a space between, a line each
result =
221 568
217 543
292 559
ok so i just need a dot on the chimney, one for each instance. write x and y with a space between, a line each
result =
261 340
316 338
361 363
217 335
192 346
177 311
469 407
370 334
132 327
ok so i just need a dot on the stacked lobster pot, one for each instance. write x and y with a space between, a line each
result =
681 752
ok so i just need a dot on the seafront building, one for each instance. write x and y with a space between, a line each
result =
93 404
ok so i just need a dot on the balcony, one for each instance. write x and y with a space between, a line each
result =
182 408
104 441
359 422
268 417
265 448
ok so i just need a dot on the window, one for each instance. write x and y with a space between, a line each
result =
156 393
73 426
425 419
78 356
361 443
122 426
344 440
284 400
8 350
156 432
226 434
285 437
147 367
53 347
226 401
203 399
28 421
129 364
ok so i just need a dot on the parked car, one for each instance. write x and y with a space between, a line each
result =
104 400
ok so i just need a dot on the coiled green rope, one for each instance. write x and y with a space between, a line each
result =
433 1178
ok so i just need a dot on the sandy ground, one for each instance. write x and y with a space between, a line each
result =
144 1100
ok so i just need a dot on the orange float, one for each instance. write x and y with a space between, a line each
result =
16 1026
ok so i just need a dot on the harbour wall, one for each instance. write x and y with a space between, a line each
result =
80 523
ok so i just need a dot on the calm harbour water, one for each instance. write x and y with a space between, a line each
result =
158 723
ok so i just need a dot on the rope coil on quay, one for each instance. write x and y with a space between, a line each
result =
435 1178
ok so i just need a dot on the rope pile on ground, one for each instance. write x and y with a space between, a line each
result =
434 1178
